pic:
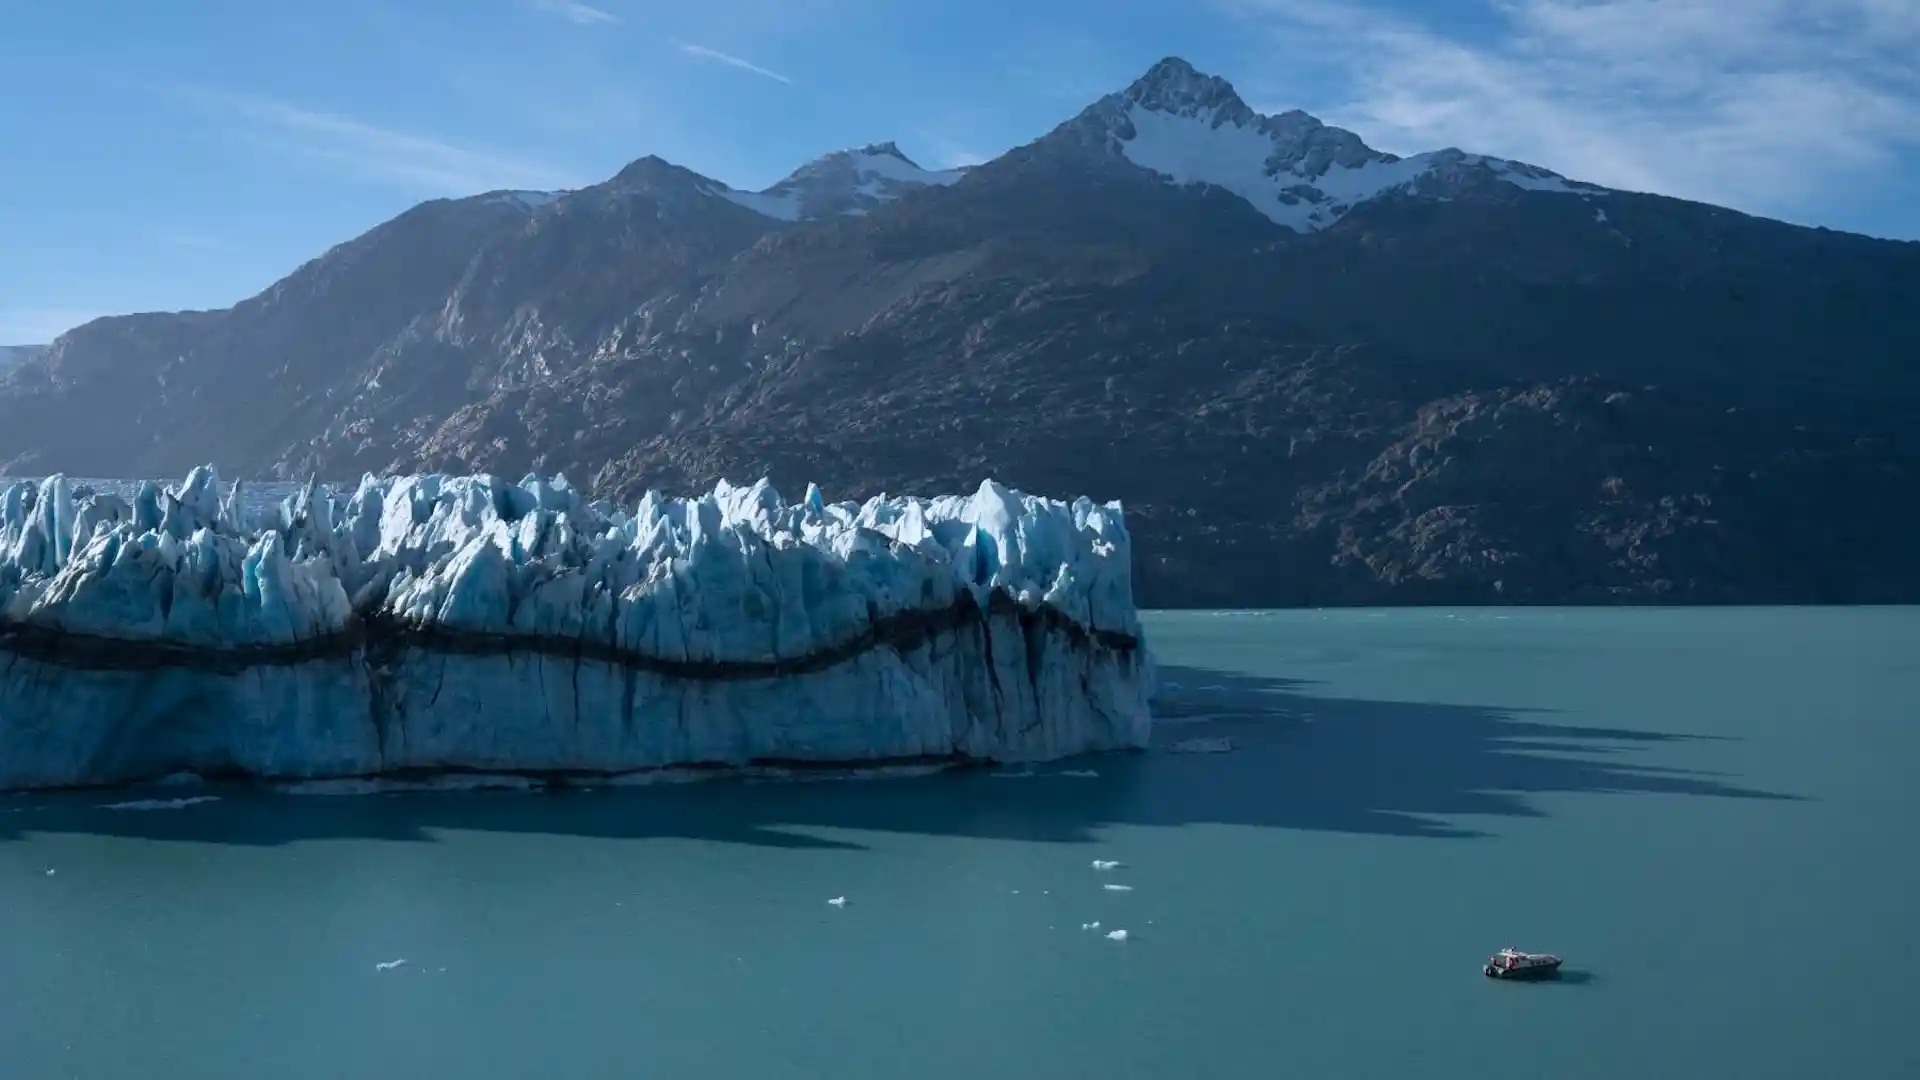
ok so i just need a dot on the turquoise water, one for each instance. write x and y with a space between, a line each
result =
1706 812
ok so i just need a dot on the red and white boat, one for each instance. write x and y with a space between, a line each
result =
1511 963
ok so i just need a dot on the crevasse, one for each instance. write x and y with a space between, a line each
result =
438 623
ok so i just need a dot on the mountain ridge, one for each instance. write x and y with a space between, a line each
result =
1167 298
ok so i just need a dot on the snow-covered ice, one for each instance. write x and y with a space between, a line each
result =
440 624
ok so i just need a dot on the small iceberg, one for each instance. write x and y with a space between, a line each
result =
161 804
1218 744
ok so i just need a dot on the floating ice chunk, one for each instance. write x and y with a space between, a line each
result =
1090 925
838 901
1106 864
162 804
1176 719
394 786
1116 935
1219 744
389 965
651 777
1118 888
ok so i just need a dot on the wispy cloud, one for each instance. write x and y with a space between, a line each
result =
574 12
369 152
1757 104
704 53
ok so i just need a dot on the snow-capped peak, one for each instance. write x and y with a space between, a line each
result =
846 182
1192 128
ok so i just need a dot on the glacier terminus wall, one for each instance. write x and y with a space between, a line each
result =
436 623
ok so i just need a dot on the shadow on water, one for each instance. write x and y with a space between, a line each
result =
1300 761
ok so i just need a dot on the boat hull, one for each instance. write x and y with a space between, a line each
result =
1537 971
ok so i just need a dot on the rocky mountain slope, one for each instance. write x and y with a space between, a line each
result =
1316 373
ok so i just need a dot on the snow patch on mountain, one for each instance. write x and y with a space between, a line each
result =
845 183
1193 128
526 200
780 207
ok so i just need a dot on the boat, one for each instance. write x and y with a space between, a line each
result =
1512 963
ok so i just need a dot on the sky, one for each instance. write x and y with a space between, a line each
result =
187 154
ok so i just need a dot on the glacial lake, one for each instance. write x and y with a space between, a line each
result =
1709 813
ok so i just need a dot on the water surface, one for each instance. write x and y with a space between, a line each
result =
1705 811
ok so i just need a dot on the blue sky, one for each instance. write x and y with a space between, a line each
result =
189 153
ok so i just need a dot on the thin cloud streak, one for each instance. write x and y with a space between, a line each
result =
574 12
704 53
1759 104
371 153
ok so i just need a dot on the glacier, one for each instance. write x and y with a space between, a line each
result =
454 624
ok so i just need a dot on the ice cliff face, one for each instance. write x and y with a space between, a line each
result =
447 623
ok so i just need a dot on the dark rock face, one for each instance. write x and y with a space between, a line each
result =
1464 391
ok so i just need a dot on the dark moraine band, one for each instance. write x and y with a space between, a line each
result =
383 636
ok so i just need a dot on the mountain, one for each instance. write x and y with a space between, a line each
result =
14 355
1316 373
